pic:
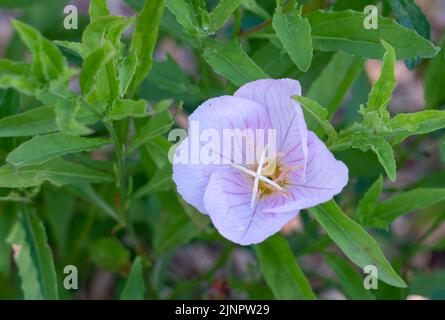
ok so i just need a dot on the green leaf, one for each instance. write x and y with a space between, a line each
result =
92 64
15 68
144 38
122 109
319 113
294 33
435 78
281 271
158 124
7 220
169 76
48 62
349 280
344 31
105 29
38 121
354 241
109 254
253 6
184 15
403 203
135 286
232 62
86 192
41 149
59 221
338 76
33 258
381 148
404 125
20 83
66 121
367 204
221 13
381 92
17 75
58 172
409 15
75 47
126 74
98 8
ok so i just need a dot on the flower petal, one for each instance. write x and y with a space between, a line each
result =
191 179
285 114
230 113
325 178
227 201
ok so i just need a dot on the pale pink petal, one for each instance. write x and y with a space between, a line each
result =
285 114
325 178
192 174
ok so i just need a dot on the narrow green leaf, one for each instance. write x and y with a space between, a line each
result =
98 8
20 83
145 36
435 78
126 74
184 15
319 113
349 280
161 181
281 271
221 13
344 31
232 62
13 67
403 203
135 286
18 76
253 6
91 66
338 76
381 148
38 121
41 149
404 125
367 204
75 47
409 15
158 124
33 258
294 33
48 62
169 76
66 117
7 221
381 92
122 109
86 192
58 172
105 29
354 241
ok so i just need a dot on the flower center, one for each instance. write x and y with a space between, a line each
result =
267 175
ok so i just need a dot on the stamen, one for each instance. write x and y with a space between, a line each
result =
258 176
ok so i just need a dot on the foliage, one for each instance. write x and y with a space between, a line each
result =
85 178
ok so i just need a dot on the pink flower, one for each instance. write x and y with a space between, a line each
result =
291 170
